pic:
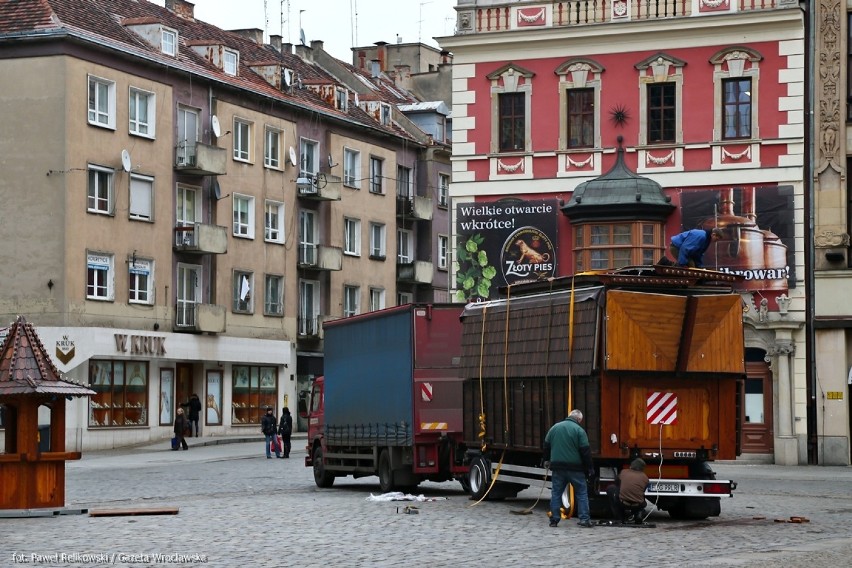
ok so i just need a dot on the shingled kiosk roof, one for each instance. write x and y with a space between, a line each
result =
26 368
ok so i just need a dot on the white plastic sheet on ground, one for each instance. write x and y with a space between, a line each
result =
400 496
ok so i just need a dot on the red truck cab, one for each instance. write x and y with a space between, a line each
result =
311 409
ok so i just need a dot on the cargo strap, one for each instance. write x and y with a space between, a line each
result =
493 481
481 434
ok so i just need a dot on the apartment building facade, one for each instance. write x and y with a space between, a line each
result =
190 205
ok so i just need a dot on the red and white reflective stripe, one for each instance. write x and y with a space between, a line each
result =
426 392
662 408
433 426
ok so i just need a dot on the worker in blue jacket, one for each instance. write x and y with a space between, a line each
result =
689 247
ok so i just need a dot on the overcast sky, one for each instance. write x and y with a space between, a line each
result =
335 22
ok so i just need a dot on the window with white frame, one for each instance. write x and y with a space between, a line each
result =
187 136
736 81
511 107
660 96
189 286
405 239
404 183
579 103
273 221
230 62
273 295
351 236
243 292
308 239
378 238
168 42
243 216
188 208
376 178
272 148
141 197
309 307
351 301
443 190
351 168
308 157
100 190
242 140
341 99
101 102
404 298
142 113
377 299
141 277
100 276
443 251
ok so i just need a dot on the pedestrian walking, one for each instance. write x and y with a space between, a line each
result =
566 448
688 247
193 413
268 425
180 428
285 430
627 496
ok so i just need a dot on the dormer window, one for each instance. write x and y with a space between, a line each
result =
168 42
341 99
386 115
230 62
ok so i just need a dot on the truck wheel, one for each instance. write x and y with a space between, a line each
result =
385 473
322 478
479 478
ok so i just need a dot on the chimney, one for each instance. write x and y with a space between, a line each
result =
446 57
402 76
382 48
305 53
182 8
375 68
254 34
317 44
287 48
275 42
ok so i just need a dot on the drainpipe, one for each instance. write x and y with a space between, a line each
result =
808 9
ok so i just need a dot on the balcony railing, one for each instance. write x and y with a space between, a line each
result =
417 272
310 327
198 238
199 159
501 15
200 318
319 187
416 207
319 257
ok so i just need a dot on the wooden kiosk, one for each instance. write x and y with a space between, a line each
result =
32 467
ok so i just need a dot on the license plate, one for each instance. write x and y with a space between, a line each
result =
664 488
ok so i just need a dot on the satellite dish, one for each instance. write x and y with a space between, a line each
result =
288 77
302 37
214 123
293 159
331 163
356 100
125 160
217 191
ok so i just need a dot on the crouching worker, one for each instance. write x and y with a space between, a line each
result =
627 496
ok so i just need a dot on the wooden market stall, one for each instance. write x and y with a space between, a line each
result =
32 469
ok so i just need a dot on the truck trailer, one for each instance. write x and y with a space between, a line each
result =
390 401
651 355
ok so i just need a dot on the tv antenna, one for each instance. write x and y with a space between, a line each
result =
420 22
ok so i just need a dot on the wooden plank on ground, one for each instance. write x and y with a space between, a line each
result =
133 512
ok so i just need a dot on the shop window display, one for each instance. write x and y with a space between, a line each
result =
121 397
254 388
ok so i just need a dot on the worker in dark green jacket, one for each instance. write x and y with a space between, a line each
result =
567 453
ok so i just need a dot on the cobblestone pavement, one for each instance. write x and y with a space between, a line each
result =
237 507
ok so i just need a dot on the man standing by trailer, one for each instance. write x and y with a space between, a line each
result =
566 447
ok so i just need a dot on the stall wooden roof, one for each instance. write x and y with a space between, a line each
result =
27 369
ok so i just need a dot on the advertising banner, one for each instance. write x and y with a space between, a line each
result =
504 242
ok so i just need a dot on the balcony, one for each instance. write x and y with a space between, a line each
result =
199 318
502 15
417 208
318 187
319 257
417 272
201 239
310 327
200 159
